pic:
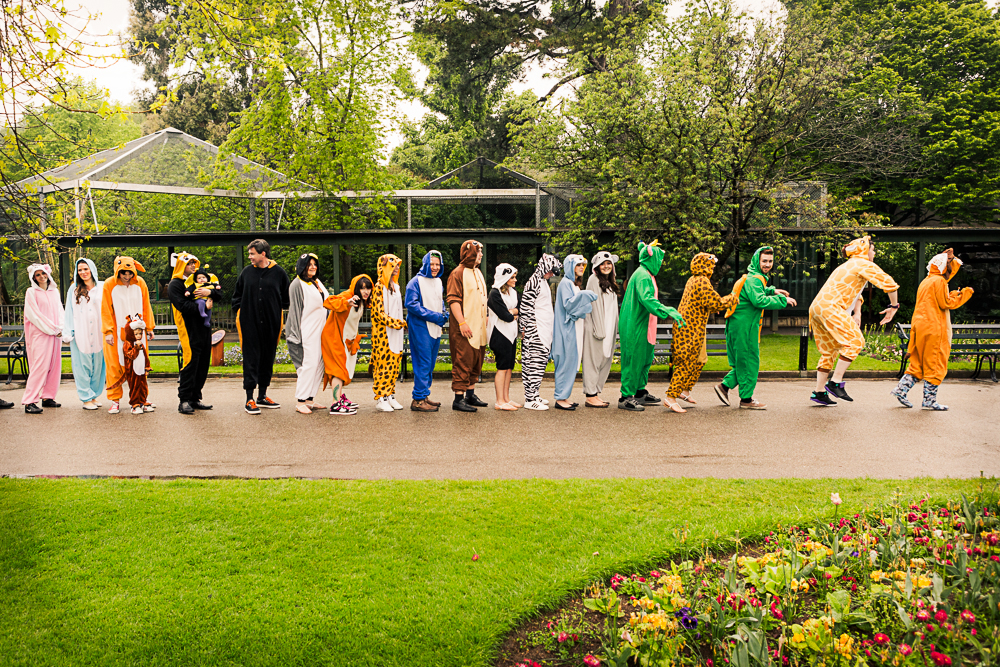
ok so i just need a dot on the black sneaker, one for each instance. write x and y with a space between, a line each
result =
837 389
50 403
822 398
32 409
631 405
648 399
265 402
5 405
252 408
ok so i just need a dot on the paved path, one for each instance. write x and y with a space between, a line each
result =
872 437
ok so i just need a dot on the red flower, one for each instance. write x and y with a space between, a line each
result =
591 661
655 573
941 616
968 616
881 638
905 649
940 659
562 637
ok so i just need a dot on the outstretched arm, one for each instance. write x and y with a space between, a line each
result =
647 297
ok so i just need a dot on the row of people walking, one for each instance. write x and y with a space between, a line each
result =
108 325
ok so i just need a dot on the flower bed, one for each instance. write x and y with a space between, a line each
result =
916 585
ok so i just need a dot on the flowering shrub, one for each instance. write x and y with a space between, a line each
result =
233 356
916 586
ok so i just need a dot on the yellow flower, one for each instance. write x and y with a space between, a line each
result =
798 638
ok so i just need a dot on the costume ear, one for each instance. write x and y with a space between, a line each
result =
173 259
138 266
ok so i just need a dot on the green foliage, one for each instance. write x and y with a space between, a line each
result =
699 123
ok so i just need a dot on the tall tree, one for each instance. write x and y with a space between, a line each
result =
948 53
327 73
698 122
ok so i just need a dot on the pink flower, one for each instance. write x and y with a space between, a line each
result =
835 498
881 638
655 574
905 649
923 616
827 575
562 637
709 662
968 616
591 661
475 556
941 616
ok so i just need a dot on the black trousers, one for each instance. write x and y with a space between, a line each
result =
193 376
258 363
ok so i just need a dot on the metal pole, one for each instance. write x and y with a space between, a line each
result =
336 267
253 216
921 262
538 205
803 351
409 246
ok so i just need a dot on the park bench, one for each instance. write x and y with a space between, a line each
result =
13 349
715 342
165 343
979 340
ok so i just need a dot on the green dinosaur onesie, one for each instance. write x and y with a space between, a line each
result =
637 323
743 326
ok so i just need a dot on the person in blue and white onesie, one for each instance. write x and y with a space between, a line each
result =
573 303
425 315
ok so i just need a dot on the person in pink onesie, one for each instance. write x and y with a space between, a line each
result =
43 325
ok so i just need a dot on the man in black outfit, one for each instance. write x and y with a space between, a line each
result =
195 337
261 294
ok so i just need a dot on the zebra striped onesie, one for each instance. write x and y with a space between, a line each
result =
536 341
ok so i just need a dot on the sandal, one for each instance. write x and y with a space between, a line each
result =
672 404
687 398
504 406
302 408
316 406
587 404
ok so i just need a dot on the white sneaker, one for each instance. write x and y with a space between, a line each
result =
137 410
90 406
540 404
149 407
545 401
394 403
114 409
382 405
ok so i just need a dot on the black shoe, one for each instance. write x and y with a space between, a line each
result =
648 399
560 407
473 400
185 408
837 389
630 404
822 398
462 406
198 405
5 405
32 409
50 403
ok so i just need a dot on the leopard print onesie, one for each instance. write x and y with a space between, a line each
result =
384 364
700 299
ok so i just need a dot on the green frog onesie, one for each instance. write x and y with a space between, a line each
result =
637 326
752 297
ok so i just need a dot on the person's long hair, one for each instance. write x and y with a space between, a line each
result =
360 285
82 289
608 283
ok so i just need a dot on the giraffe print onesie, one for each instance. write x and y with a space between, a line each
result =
835 331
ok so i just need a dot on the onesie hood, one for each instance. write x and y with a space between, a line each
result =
386 265
302 263
503 273
40 267
90 263
941 262
703 264
753 269
467 257
178 261
600 258
126 263
651 256
353 289
425 268
858 247
570 264
546 264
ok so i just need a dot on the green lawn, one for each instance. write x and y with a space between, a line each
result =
292 572
777 353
